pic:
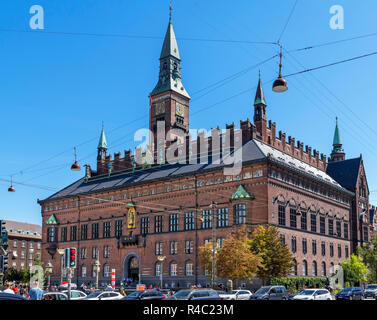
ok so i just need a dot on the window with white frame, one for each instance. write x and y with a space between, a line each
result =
173 269
83 271
158 269
106 271
189 268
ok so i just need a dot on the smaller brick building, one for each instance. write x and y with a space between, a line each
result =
24 243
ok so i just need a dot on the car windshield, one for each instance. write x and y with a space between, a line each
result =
346 290
372 287
233 292
306 292
94 294
182 294
134 294
262 290
221 292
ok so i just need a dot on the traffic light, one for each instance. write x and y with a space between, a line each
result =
4 235
3 263
70 257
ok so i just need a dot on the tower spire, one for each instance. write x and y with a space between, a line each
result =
337 153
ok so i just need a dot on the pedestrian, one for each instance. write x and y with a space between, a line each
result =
35 293
8 289
15 289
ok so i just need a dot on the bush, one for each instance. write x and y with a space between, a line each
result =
294 284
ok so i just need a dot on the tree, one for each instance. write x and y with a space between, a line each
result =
205 257
355 271
368 252
235 260
12 274
277 259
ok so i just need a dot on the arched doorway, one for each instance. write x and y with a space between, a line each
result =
131 267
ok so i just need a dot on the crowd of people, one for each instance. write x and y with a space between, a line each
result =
24 290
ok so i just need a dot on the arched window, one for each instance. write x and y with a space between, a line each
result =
158 269
294 268
83 271
106 271
331 269
173 269
189 268
314 269
304 268
323 269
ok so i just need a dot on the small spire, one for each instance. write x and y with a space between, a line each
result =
102 144
259 96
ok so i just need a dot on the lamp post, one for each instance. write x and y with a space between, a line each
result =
161 259
48 271
61 253
97 268
213 206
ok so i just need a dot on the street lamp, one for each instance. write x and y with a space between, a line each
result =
280 84
161 259
61 253
97 269
48 271
213 206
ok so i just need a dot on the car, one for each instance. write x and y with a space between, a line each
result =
145 295
64 286
371 291
313 294
194 294
235 295
76 294
350 293
54 296
10 296
103 295
270 293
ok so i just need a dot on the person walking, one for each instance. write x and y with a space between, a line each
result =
8 289
35 293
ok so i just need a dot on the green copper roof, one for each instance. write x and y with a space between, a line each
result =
52 220
337 142
102 144
241 193
170 46
259 96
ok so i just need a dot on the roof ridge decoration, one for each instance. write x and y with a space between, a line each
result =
241 193
52 220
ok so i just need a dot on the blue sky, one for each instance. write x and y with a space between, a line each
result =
55 90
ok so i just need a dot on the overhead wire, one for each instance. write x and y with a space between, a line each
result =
288 20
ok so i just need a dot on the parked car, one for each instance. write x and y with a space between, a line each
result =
76 294
103 295
313 294
54 296
270 293
351 293
371 291
10 296
235 295
194 294
145 295
64 286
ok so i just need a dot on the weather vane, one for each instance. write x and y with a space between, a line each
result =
170 8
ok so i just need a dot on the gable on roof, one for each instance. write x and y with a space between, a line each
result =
345 172
241 193
52 220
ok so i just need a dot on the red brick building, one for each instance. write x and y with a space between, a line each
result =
126 215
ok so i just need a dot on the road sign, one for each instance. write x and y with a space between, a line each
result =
140 287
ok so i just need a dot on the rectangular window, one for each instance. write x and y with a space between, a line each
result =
106 252
331 227
118 228
345 226
158 248
313 222
189 246
222 218
63 234
294 244
15 243
281 215
83 253
94 252
173 247
95 231
189 221
73 234
322 225
365 234
173 222
338 229
144 225
282 239
158 224
304 246
293 218
323 249
207 219
304 221
107 229
346 252
84 232
339 251
50 236
220 242
240 213
314 247
331 250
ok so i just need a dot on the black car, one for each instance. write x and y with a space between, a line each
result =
10 296
145 295
371 291
270 293
351 293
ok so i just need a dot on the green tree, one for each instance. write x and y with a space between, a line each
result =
355 271
12 274
368 252
277 259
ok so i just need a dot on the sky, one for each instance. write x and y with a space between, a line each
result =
57 87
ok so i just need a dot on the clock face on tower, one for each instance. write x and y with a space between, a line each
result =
160 108
179 109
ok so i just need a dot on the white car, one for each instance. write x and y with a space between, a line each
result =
75 294
54 296
314 294
103 295
235 295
